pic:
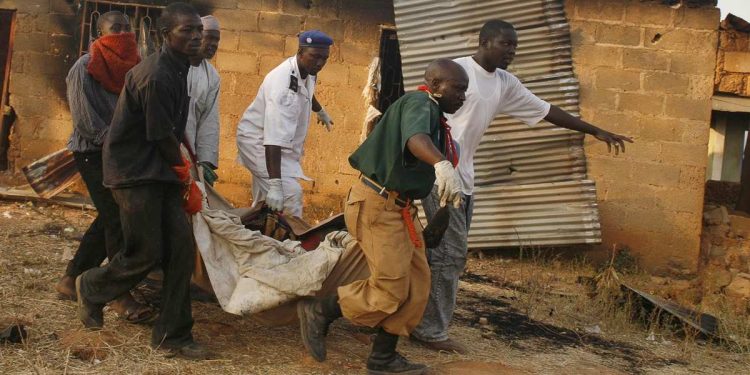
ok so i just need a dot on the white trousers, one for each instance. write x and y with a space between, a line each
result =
292 193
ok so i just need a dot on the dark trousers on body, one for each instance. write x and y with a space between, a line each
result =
156 233
103 239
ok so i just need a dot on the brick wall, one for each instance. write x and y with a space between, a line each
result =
257 35
733 62
43 51
646 70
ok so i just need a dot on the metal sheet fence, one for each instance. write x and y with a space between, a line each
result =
531 182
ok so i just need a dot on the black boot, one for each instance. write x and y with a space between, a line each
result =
384 359
315 315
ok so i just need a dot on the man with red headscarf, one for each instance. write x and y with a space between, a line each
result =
94 84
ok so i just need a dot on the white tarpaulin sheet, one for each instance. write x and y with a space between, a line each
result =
250 272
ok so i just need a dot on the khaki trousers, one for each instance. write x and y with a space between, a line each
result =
395 295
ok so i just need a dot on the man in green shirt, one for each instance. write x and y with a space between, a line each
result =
406 154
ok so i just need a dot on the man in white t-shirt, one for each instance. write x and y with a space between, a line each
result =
492 91
271 134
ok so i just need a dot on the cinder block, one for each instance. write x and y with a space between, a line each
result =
582 32
334 75
34 42
617 122
32 6
694 132
65 24
682 107
683 40
291 45
358 54
737 62
236 62
655 174
357 32
319 8
666 82
28 85
706 18
733 40
237 19
212 5
681 154
607 78
264 5
644 59
597 99
692 177
268 63
597 56
701 87
693 63
239 195
609 167
620 35
333 27
276 23
36 63
230 40
63 45
600 10
643 103
262 43
648 14
376 12
660 129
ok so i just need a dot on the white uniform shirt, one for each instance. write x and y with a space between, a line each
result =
278 116
488 95
202 129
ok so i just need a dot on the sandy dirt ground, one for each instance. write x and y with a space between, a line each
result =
516 316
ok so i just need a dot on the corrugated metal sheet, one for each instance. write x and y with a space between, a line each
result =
531 183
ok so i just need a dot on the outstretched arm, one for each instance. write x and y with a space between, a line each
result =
564 120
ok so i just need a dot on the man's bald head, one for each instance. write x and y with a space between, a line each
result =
447 82
443 70
112 22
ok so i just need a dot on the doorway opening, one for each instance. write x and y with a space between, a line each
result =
7 25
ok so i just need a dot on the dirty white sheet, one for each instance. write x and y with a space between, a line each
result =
250 272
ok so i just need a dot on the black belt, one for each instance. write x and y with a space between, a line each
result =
382 191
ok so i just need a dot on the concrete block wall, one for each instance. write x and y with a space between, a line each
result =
646 70
43 51
733 63
257 35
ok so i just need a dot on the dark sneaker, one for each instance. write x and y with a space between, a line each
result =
194 351
392 363
90 314
449 345
313 328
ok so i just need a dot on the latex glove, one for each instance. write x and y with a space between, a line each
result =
324 119
183 171
275 195
449 183
209 176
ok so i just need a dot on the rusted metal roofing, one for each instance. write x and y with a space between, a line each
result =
531 182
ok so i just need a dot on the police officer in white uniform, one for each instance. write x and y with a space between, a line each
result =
272 131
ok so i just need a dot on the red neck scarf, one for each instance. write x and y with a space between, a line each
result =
450 148
112 56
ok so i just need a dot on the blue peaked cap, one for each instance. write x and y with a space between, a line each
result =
315 39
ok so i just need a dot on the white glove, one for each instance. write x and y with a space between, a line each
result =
449 184
324 119
275 195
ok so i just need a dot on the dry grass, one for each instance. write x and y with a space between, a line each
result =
538 320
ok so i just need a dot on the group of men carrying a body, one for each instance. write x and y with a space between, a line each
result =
131 116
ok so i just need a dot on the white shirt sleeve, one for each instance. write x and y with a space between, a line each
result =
520 103
280 117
